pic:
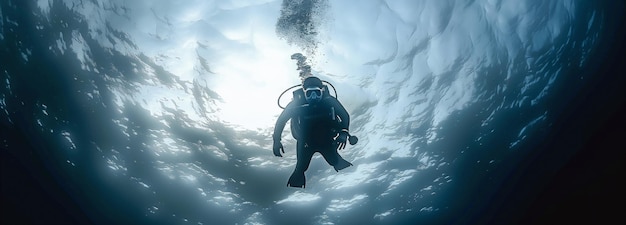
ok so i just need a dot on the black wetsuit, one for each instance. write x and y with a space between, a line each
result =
314 126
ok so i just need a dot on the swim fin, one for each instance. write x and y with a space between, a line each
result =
342 164
297 180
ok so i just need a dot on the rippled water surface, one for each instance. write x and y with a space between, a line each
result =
162 112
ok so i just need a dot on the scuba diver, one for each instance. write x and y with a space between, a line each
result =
319 123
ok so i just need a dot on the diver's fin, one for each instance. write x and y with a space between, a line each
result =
297 180
342 164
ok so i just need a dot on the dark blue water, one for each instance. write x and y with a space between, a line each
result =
61 128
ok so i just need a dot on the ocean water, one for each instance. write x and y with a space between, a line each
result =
160 112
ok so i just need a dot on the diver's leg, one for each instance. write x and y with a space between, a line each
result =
304 155
333 158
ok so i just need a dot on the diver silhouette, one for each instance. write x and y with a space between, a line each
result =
319 123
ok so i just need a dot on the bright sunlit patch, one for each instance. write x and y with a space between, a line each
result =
345 204
361 175
384 214
70 144
401 177
249 84
299 197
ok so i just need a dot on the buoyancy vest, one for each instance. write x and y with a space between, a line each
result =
317 122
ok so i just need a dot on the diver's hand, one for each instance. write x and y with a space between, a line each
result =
342 139
278 147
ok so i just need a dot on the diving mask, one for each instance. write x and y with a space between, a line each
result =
313 94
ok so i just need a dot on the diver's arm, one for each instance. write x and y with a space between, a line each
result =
344 124
285 115
282 121
343 115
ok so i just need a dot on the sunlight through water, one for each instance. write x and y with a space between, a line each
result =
170 105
